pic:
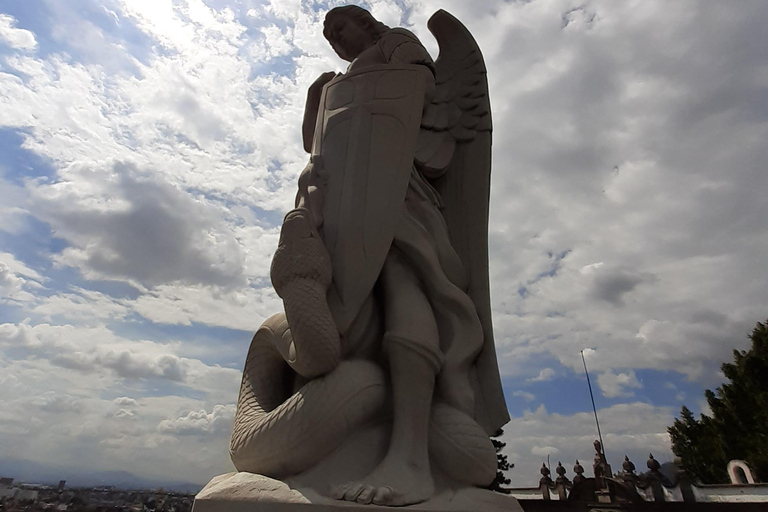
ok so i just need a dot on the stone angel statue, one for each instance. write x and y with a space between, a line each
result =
379 384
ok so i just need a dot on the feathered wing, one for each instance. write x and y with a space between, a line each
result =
454 151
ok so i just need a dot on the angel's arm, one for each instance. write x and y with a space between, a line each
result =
412 52
310 109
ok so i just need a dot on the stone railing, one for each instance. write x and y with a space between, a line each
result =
627 486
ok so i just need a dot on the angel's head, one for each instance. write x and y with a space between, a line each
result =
351 30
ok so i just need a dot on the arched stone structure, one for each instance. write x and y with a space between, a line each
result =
735 477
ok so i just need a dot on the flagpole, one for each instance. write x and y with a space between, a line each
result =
592 396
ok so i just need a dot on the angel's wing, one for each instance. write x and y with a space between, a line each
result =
459 107
455 152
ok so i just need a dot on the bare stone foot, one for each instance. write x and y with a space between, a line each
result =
394 483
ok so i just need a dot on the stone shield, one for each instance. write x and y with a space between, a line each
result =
365 140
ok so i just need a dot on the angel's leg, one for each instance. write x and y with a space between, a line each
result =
411 340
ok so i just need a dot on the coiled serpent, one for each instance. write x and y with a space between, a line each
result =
281 431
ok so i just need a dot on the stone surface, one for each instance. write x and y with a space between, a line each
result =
238 487
247 492
379 383
734 475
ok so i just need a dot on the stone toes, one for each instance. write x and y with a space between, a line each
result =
383 496
353 491
338 492
366 495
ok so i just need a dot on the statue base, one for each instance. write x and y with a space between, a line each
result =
248 492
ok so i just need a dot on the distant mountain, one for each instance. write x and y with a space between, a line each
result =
33 472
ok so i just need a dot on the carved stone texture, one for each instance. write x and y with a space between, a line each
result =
598 469
600 466
545 472
247 492
628 466
579 470
653 464
734 475
383 271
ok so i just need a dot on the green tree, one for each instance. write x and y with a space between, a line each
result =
503 465
698 444
738 427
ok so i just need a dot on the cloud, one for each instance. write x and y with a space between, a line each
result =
626 209
611 287
243 308
17 38
633 428
10 284
133 366
544 451
17 281
617 384
80 306
175 26
276 42
525 395
96 350
145 231
124 413
616 192
17 267
125 401
544 375
58 403
92 431
388 13
218 421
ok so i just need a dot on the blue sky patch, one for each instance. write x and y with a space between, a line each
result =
19 164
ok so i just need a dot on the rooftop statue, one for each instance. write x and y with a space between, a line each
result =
383 270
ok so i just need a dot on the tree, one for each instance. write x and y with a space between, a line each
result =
503 465
697 443
738 427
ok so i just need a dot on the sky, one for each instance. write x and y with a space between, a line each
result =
150 148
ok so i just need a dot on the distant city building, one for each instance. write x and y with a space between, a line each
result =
26 495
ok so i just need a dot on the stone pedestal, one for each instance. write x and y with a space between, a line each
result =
247 492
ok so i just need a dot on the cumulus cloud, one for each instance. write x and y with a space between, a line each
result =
10 283
17 280
243 308
125 401
617 384
144 231
633 428
80 426
611 285
615 192
525 395
124 413
218 421
544 375
544 451
17 38
79 306
626 210
56 402
17 267
96 350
